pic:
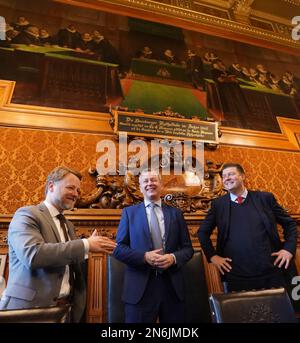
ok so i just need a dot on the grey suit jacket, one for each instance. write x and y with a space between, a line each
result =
37 262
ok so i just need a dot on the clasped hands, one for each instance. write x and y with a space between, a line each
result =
223 263
155 259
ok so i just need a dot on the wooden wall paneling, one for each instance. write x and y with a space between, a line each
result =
213 279
297 260
96 289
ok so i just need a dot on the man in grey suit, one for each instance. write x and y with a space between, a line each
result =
45 256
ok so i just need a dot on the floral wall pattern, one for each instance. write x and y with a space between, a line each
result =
27 156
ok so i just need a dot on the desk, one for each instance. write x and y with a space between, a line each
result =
264 105
7 68
144 66
60 77
279 104
66 77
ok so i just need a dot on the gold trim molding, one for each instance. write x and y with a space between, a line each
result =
267 17
293 2
48 118
287 140
220 3
189 19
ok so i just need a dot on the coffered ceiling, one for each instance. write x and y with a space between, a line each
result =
262 22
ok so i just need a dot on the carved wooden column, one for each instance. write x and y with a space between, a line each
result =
4 222
106 222
96 294
212 276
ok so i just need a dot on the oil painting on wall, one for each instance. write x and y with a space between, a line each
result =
68 57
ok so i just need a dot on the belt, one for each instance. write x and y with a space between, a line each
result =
157 272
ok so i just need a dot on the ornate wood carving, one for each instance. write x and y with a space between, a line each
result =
96 288
242 9
294 2
116 191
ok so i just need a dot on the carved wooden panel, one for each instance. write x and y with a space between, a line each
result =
96 289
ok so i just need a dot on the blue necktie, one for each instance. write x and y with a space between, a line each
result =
154 227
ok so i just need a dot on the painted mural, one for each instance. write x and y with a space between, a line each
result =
67 57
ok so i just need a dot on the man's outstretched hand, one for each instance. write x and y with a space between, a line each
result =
283 258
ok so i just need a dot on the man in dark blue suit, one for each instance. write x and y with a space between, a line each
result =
249 253
153 241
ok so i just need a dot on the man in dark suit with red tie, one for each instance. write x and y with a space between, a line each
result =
153 241
45 256
249 253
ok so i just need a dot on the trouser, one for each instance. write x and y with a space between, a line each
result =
236 284
159 302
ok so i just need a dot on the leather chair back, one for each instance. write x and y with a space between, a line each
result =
52 314
197 306
265 306
114 286
196 301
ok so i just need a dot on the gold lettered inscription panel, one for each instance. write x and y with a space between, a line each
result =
137 124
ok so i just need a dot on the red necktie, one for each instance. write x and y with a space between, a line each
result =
240 199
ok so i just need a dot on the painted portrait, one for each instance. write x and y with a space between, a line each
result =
82 59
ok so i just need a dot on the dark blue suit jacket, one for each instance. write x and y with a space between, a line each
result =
134 239
270 211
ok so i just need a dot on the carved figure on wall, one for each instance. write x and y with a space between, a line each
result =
168 112
213 173
132 186
110 192
179 200
118 191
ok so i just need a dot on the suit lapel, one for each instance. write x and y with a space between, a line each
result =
47 216
226 216
260 209
71 230
166 221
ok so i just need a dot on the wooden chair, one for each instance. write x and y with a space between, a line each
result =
197 307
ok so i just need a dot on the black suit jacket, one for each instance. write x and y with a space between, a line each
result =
270 211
